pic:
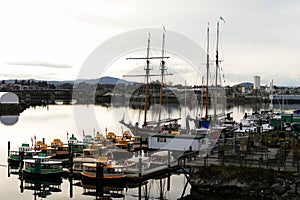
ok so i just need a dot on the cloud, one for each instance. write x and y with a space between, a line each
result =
39 63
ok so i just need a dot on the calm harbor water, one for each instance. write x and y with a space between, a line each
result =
54 122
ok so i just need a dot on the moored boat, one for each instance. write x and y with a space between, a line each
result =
41 167
161 158
111 172
135 164
14 156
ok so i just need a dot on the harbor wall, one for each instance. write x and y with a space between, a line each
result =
242 181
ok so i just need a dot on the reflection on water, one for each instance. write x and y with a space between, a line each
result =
9 113
170 187
9 119
39 188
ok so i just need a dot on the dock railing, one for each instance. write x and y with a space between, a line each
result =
287 161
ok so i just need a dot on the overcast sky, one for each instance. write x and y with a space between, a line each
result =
51 39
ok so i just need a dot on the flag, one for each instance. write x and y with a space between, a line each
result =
112 155
34 145
221 18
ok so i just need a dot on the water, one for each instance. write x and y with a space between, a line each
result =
58 120
54 122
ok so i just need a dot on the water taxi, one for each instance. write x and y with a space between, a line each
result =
62 150
111 172
14 155
41 166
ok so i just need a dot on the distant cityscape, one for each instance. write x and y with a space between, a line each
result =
39 92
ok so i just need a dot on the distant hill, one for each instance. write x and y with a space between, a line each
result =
105 81
113 81
245 84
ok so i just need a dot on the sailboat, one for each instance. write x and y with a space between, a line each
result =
211 125
212 92
164 134
153 127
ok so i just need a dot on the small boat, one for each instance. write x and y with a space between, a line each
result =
111 172
132 165
49 151
78 161
161 158
41 167
14 155
93 150
111 137
62 150
76 146
125 141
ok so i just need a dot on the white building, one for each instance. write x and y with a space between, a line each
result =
256 83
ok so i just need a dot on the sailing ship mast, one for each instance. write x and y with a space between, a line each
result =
217 67
162 76
207 70
147 69
147 82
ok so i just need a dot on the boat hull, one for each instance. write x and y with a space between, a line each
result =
41 176
106 180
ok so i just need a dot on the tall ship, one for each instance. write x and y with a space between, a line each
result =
168 133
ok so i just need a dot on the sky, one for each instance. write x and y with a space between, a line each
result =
50 40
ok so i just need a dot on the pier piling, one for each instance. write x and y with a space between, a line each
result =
71 186
8 148
169 159
168 182
141 145
21 155
71 160
140 168
99 177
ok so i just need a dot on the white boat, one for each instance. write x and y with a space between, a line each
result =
161 158
135 164
255 122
